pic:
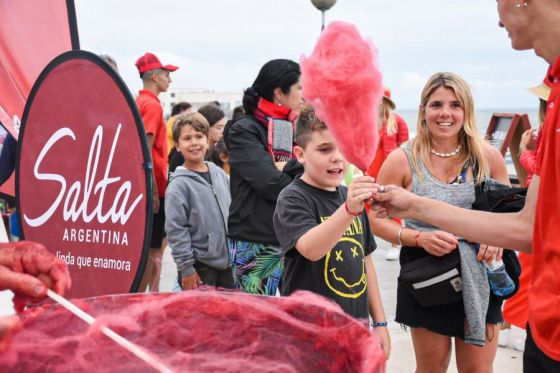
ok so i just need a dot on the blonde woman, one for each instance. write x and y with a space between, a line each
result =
443 162
393 132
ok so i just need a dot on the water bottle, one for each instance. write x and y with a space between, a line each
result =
500 282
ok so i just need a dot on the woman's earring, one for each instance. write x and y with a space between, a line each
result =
518 6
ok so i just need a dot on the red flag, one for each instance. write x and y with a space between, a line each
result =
32 33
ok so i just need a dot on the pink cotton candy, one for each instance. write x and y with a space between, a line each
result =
342 81
196 331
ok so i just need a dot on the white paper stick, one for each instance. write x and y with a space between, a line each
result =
121 341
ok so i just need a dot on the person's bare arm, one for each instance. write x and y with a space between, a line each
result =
151 140
511 230
498 168
318 241
396 171
375 305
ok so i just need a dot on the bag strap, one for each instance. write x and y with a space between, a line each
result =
478 188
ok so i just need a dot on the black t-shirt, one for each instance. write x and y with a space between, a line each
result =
205 175
341 274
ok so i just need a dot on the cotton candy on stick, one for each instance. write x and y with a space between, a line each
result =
342 81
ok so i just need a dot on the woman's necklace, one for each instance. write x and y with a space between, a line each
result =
447 155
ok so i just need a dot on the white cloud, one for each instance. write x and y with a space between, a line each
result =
411 80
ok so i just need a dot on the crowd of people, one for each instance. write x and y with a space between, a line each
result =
263 209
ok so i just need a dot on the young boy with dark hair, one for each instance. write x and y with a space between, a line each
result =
325 236
196 206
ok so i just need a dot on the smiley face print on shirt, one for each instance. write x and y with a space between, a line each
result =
345 271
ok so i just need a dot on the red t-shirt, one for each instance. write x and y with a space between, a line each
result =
544 293
388 143
152 116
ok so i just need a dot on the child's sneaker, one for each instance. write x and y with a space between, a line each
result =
503 340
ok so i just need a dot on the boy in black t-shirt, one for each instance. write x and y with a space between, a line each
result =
325 237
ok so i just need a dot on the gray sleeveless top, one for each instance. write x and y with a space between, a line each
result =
461 195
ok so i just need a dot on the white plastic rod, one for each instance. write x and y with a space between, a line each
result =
121 341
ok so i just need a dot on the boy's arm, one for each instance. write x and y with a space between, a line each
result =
528 160
151 116
178 235
375 306
317 241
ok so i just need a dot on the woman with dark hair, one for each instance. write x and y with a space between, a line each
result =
217 120
262 163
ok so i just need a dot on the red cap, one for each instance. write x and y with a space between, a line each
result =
386 93
149 62
387 96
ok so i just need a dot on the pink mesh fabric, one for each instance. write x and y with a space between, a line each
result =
197 331
343 83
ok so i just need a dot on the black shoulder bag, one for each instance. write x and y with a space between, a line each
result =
494 196
433 281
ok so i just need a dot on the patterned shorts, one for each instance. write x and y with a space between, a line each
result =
257 268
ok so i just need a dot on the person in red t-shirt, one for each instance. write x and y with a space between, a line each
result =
516 309
393 132
531 24
155 78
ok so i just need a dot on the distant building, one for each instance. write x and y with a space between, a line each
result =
199 97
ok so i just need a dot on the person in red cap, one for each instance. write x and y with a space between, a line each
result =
156 79
393 132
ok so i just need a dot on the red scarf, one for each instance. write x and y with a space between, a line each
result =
280 123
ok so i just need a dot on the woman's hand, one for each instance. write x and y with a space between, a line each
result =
191 282
489 253
437 243
280 165
527 141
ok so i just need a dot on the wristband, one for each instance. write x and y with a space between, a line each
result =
416 237
350 212
399 239
376 324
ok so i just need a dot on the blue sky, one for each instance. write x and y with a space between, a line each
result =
221 44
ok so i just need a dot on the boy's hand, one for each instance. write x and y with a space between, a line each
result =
191 282
383 334
360 190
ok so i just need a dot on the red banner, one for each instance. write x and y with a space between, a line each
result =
32 33
83 174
